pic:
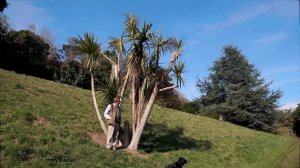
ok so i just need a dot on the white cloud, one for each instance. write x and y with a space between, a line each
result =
280 70
287 9
273 38
22 13
238 18
285 82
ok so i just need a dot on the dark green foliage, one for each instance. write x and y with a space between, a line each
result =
236 90
110 91
70 72
296 116
24 52
191 107
3 5
170 98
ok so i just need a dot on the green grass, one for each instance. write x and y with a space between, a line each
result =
61 140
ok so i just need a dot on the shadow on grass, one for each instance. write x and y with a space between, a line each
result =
160 138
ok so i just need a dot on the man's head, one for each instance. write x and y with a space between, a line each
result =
117 100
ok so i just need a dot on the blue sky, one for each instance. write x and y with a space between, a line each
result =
266 31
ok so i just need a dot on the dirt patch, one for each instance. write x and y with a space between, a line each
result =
41 121
98 138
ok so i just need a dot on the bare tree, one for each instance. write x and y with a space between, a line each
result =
50 40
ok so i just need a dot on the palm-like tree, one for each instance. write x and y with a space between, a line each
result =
178 70
117 44
144 73
138 40
152 76
90 47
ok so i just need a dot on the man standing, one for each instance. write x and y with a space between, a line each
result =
113 114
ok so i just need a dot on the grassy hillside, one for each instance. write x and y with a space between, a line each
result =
46 124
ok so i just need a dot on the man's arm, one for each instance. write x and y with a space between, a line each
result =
107 111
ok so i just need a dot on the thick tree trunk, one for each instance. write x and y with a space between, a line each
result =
126 134
114 73
96 106
137 135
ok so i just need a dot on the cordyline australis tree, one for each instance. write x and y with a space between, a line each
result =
89 47
144 74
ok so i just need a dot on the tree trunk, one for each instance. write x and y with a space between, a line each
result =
119 62
133 107
140 108
96 106
124 86
114 73
126 134
137 135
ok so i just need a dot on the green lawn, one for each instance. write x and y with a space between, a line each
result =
46 124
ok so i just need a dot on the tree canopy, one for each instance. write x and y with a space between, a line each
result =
24 51
3 5
236 90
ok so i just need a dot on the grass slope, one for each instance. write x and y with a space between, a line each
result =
46 124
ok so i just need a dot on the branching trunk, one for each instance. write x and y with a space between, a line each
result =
96 106
167 88
137 135
124 86
172 60
115 68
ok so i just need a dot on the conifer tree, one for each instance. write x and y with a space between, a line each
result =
236 90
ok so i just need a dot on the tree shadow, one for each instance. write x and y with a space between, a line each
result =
160 138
